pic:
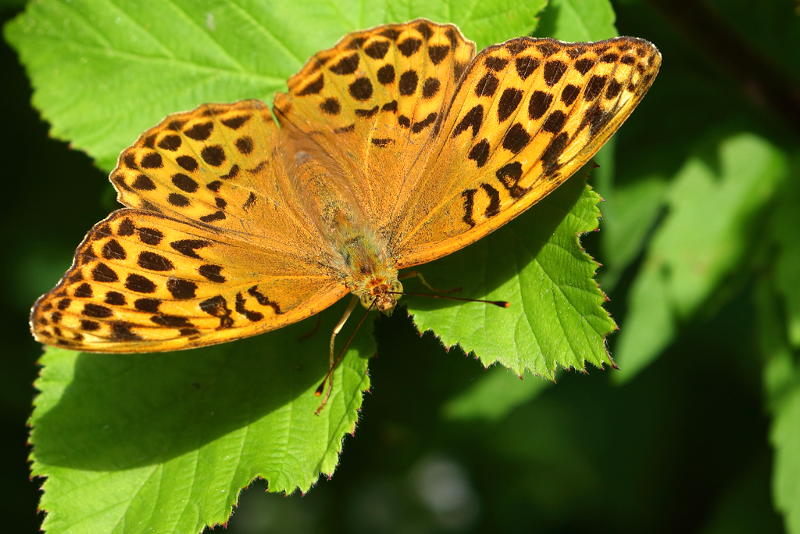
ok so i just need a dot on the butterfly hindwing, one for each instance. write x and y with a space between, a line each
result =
527 115
143 282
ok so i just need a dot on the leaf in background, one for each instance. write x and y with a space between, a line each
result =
12 6
650 323
782 385
103 73
788 261
578 20
629 214
165 442
715 202
492 396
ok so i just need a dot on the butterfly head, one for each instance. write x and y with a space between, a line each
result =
380 293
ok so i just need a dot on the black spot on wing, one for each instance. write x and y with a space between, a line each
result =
487 85
139 283
251 315
188 247
508 103
538 104
386 74
313 88
181 289
212 272
361 89
553 70
218 307
516 138
469 204
346 65
263 299
437 53
525 66
377 49
509 175
494 200
480 152
408 82
409 47
472 119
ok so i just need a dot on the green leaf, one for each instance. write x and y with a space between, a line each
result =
492 396
556 318
782 384
650 324
715 204
629 214
578 20
785 438
165 442
787 272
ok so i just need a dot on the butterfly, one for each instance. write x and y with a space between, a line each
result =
394 148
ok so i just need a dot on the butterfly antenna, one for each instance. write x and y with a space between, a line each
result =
327 383
443 294
498 303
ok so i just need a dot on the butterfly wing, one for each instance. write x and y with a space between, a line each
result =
372 104
220 243
216 246
144 282
528 114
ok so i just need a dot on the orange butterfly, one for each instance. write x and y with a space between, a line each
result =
393 148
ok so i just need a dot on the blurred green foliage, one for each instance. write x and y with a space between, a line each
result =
699 431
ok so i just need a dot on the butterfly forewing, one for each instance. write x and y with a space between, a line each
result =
527 115
373 102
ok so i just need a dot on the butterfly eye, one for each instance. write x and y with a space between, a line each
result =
396 288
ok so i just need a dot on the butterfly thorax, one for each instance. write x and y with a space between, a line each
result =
368 272
360 255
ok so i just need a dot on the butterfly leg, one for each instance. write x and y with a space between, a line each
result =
333 361
416 274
